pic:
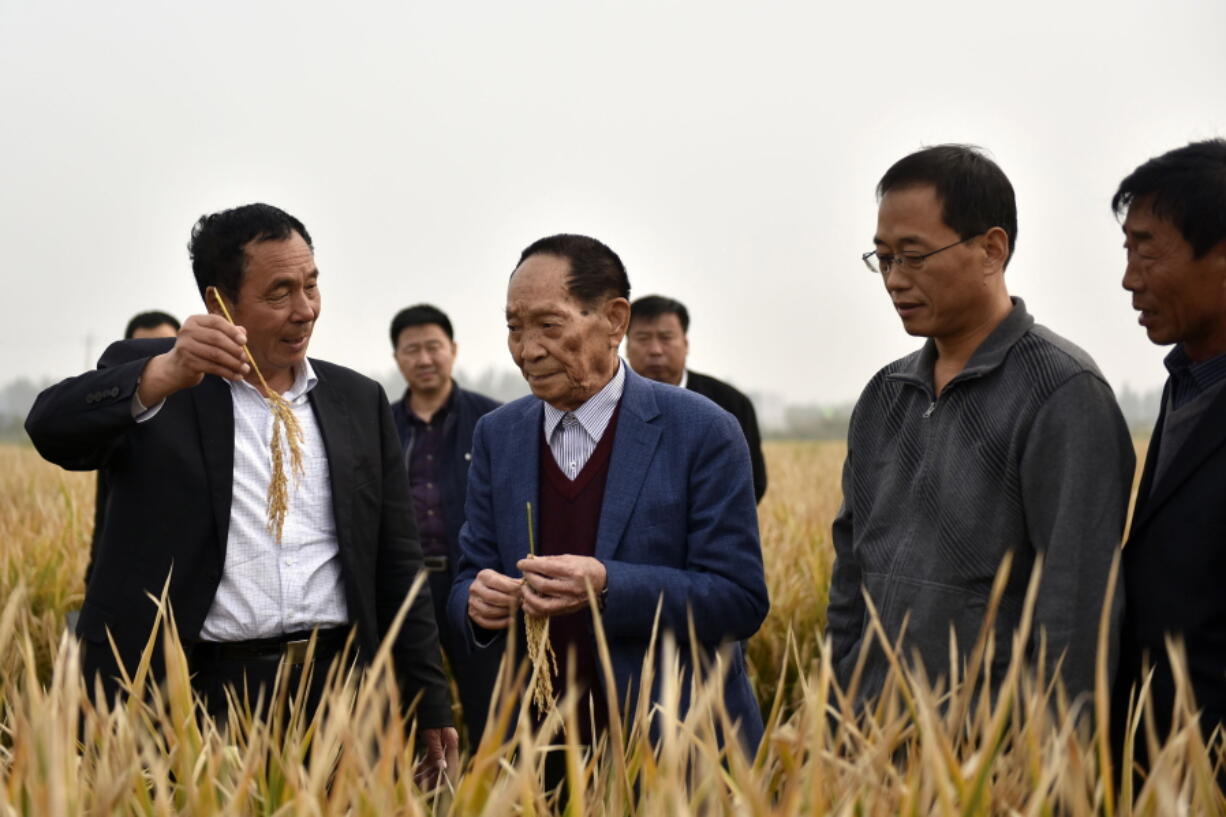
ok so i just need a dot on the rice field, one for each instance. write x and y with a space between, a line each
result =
925 749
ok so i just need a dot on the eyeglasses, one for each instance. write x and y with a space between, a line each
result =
882 263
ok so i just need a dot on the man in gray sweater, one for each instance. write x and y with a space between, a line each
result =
997 436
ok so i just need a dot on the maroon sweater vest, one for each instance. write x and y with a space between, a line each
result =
569 520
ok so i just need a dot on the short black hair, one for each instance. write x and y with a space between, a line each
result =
653 306
975 193
218 241
420 315
596 273
1188 186
149 320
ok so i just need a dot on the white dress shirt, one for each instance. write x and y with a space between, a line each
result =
574 435
269 589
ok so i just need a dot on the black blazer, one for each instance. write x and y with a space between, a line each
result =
467 407
170 483
739 406
1175 570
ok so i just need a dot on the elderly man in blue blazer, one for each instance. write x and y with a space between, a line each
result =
641 491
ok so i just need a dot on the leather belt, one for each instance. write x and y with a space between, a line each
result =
292 647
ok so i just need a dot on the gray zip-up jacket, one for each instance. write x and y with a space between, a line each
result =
1025 451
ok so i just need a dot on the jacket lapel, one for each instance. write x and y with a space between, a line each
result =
215 421
1206 438
523 447
634 444
337 433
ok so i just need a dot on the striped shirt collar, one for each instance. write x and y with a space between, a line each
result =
1189 379
595 413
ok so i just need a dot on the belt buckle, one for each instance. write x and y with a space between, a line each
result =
295 652
435 564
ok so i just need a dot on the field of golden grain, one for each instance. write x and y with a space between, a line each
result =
920 751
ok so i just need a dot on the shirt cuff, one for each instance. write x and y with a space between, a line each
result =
141 414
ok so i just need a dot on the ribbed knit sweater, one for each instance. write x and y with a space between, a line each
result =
1024 451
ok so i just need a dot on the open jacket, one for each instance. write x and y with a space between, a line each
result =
467 407
170 483
678 529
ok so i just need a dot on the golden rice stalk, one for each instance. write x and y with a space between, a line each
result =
544 659
283 421
284 425
540 649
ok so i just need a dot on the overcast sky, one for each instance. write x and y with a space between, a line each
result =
727 152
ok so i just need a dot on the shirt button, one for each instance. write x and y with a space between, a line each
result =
289 562
429 513
430 457
429 484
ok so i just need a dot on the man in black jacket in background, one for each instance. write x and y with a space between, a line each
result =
1174 209
435 418
657 346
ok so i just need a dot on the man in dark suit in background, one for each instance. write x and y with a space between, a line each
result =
182 431
435 419
1174 209
657 346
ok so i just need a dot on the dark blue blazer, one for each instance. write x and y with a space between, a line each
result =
678 529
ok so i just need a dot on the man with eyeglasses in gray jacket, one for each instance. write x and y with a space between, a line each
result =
996 437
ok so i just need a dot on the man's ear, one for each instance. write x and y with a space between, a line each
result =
210 300
617 313
996 248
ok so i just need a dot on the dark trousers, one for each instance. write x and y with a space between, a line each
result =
246 674
475 672
249 670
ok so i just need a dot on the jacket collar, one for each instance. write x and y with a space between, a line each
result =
917 368
447 406
1206 438
634 446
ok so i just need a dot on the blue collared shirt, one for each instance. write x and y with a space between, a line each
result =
573 435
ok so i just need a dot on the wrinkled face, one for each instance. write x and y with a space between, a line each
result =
425 356
566 350
1181 299
162 330
278 303
657 347
950 293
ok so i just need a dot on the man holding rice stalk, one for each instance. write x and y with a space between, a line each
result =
267 486
997 439
1174 209
604 485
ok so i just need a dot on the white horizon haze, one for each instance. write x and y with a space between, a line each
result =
727 152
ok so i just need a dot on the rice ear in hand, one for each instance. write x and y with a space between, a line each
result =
284 425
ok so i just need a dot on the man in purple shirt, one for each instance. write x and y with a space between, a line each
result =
435 418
